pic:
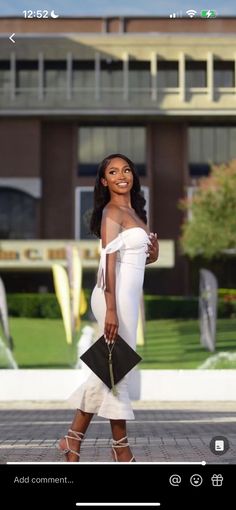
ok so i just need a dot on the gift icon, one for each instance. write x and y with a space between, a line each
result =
217 480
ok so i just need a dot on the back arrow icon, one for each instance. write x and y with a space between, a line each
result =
11 38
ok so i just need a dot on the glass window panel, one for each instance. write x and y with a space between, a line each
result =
224 73
209 145
167 73
97 142
4 75
194 144
138 145
83 73
110 140
86 208
221 145
4 80
111 73
232 143
17 215
26 74
55 74
195 73
85 145
139 74
124 145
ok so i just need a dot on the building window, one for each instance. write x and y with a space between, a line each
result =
17 215
224 73
111 74
195 74
83 74
55 75
139 75
26 74
167 74
83 211
95 143
209 145
4 75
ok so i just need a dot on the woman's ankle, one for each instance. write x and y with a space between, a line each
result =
121 450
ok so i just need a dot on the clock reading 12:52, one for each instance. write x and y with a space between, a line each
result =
40 13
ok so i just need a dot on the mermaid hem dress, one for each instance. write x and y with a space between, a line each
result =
131 244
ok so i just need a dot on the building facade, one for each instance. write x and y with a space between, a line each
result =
161 91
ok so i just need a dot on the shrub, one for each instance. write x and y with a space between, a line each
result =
156 307
166 307
33 305
227 302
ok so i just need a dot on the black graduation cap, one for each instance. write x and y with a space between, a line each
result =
111 361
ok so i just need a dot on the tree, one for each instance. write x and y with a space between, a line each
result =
210 228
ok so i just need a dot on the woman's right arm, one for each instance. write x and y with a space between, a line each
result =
110 228
111 324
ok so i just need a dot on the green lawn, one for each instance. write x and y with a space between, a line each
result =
170 344
175 343
40 343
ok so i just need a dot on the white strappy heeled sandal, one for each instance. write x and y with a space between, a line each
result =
77 436
120 444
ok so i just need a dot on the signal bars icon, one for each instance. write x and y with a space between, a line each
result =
176 15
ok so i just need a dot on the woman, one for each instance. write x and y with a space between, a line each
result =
119 219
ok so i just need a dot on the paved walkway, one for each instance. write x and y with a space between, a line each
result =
162 432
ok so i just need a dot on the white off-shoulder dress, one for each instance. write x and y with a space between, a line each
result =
131 244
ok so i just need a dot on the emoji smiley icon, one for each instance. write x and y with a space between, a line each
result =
196 480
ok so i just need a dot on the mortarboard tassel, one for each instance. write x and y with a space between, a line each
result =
113 388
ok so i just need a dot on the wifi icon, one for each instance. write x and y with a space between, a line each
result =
191 13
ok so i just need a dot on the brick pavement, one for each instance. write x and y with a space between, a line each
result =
162 432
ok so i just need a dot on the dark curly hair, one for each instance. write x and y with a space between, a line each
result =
102 194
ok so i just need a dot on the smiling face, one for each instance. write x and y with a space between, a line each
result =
196 480
118 177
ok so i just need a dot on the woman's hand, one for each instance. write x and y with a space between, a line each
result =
153 249
111 325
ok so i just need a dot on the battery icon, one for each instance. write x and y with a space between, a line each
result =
210 13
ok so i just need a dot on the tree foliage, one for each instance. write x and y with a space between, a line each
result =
210 227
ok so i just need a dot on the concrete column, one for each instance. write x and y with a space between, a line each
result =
154 76
125 76
169 167
210 76
97 76
69 77
235 73
104 25
40 76
122 25
182 87
58 164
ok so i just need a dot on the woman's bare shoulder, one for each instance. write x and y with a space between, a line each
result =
111 223
113 211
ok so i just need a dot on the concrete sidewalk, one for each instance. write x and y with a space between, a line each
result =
162 432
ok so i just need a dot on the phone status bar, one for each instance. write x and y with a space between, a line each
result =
192 13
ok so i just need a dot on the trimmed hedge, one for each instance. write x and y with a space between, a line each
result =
170 307
227 302
156 307
33 305
178 307
37 305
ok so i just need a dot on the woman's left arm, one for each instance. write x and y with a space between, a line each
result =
153 249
